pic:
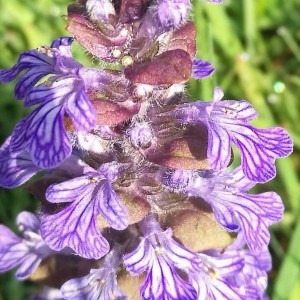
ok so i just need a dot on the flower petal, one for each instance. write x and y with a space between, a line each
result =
15 168
201 68
111 207
28 265
27 221
259 148
75 227
254 213
42 134
28 60
163 282
219 147
70 190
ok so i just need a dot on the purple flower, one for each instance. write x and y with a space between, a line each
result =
161 257
26 252
252 214
99 284
254 273
227 123
213 278
37 63
42 133
201 68
234 209
15 168
91 197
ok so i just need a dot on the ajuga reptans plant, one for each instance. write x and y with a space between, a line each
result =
137 199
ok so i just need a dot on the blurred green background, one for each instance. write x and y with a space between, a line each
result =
254 46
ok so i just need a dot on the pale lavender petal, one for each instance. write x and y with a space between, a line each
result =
74 166
96 285
259 148
48 294
161 257
70 190
254 214
75 227
218 94
27 253
224 291
111 207
138 260
219 147
182 258
42 134
227 123
78 106
29 264
11 254
212 280
45 136
15 168
80 288
7 237
100 283
230 111
163 282
28 221
237 180
227 265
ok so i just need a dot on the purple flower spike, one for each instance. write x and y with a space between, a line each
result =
26 252
201 68
99 284
252 214
15 168
227 123
90 196
160 256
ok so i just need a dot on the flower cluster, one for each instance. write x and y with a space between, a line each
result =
137 200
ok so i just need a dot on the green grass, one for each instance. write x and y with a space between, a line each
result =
254 46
